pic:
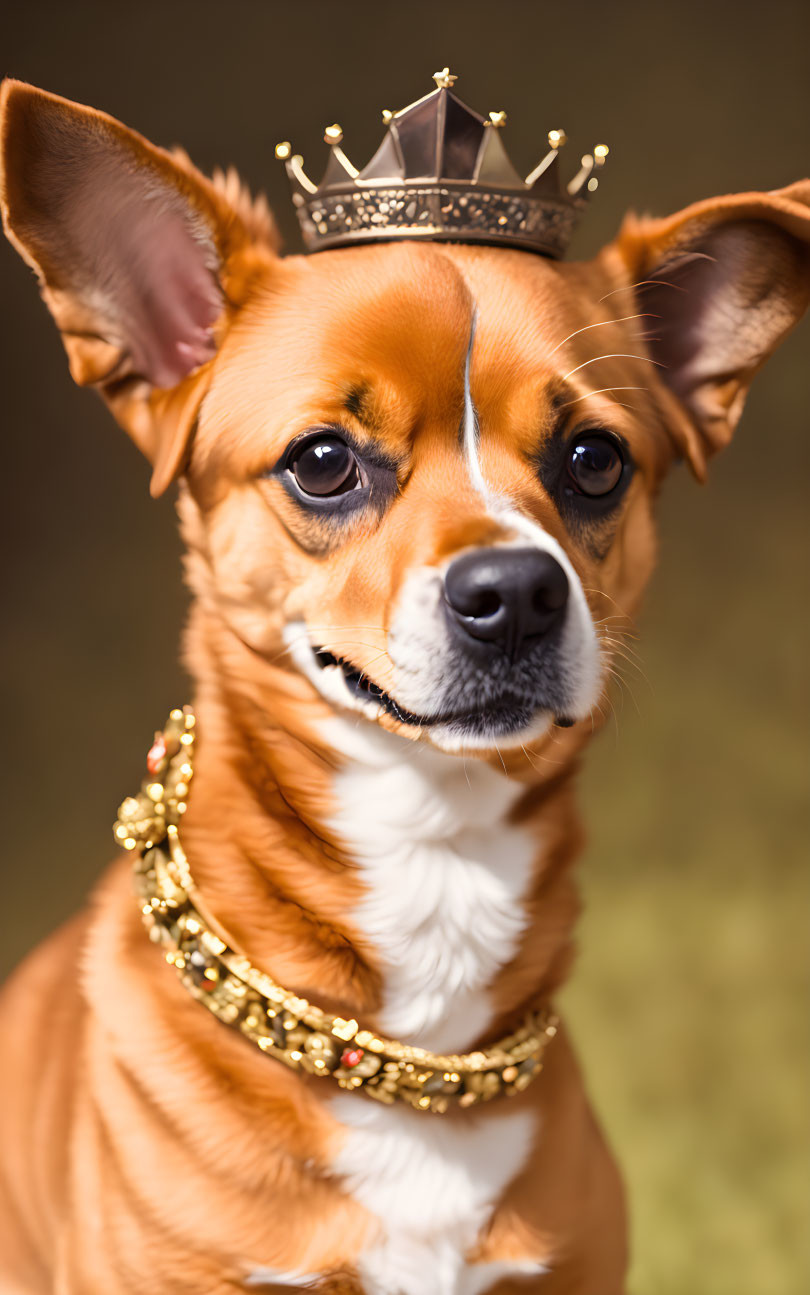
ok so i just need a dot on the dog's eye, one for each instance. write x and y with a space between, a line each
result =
324 465
595 465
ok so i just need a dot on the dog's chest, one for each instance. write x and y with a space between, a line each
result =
445 879
432 1185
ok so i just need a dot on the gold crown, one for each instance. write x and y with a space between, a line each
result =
441 173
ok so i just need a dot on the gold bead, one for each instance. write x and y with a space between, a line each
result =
387 116
557 138
600 153
333 134
497 119
367 1066
344 1030
322 1049
486 1083
283 151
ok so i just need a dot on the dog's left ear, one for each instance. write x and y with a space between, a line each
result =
140 259
720 284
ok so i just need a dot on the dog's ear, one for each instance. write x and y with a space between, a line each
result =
721 284
140 259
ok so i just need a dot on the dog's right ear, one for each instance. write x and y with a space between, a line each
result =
721 284
140 259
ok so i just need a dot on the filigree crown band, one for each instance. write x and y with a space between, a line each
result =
441 173
279 1022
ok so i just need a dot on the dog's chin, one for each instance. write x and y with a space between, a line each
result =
504 723
495 729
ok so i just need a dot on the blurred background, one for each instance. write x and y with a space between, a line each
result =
689 999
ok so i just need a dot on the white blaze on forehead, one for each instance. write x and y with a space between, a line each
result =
580 642
470 429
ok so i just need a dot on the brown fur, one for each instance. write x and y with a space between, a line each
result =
145 1147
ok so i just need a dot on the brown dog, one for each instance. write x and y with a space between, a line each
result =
400 641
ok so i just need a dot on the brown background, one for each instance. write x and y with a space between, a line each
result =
687 1002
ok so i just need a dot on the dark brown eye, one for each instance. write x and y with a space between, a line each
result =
595 465
325 466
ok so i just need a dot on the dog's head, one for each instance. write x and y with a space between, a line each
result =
421 476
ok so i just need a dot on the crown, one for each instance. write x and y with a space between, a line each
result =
441 173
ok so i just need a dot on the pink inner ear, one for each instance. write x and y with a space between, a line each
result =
719 308
116 233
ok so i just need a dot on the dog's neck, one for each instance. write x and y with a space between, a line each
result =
426 894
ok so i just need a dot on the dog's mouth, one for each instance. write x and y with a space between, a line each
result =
364 689
512 713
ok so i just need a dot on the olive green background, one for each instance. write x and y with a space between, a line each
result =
687 1003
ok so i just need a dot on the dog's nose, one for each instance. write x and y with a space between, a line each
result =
506 596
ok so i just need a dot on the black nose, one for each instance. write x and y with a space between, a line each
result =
506 596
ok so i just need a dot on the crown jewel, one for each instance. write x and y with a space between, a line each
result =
441 173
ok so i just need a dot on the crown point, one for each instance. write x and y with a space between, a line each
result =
497 119
557 138
333 134
444 79
600 153
387 116
283 150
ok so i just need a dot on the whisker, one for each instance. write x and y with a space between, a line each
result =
603 594
610 631
642 283
614 355
555 764
618 647
644 314
600 391
618 654
622 622
624 687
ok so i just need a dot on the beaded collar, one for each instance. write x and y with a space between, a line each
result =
278 1022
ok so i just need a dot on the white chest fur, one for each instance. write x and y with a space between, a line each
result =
432 1184
445 879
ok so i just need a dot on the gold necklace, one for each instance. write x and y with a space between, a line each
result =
278 1022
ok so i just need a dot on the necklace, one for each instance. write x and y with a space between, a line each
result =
281 1024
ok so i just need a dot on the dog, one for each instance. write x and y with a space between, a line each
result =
416 487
